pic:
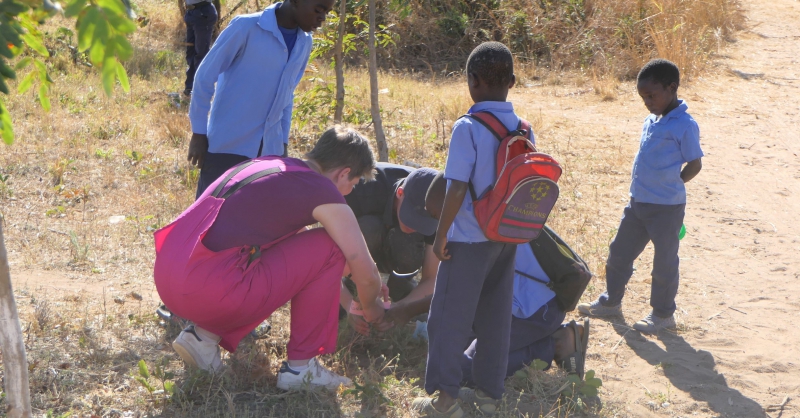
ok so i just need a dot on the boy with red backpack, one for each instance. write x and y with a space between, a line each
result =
474 285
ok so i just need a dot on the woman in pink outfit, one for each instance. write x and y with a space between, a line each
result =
242 250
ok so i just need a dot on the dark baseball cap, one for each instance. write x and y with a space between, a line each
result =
412 211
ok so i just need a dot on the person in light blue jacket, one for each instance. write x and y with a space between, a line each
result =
251 73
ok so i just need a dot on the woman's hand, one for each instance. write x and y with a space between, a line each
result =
373 313
359 324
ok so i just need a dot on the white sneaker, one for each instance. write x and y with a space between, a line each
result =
198 349
313 377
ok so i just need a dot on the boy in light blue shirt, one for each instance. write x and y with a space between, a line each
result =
474 285
251 72
670 139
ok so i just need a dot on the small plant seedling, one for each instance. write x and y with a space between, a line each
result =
103 154
134 156
143 377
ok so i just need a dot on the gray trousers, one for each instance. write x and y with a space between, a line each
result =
642 223
472 297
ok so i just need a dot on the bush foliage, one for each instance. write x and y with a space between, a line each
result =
609 37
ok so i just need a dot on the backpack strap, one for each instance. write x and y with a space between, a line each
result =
493 124
490 122
244 182
532 278
228 178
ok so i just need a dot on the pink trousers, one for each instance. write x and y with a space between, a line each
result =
226 295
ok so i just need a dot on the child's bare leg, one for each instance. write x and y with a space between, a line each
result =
564 342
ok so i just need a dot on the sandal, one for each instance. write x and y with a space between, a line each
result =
576 362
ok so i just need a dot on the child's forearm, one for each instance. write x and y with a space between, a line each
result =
452 204
691 170
345 298
419 307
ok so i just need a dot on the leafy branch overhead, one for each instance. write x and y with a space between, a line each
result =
102 27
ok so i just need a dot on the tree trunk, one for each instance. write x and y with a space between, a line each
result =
15 364
380 138
339 58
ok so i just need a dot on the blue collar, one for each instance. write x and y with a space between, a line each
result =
501 106
269 22
678 111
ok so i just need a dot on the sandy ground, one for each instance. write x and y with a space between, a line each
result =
735 352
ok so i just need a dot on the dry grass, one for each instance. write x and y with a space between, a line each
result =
94 157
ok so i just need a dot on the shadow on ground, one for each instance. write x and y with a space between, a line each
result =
692 371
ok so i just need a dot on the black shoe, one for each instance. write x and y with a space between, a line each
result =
187 93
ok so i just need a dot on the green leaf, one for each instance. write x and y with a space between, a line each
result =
26 82
12 8
122 75
145 383
34 41
44 96
589 391
3 86
6 71
123 49
74 7
120 23
113 6
86 27
6 128
23 63
539 364
169 387
109 74
143 369
100 42
40 65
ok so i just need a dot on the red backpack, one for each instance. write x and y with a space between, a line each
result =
516 207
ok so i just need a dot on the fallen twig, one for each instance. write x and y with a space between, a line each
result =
737 310
779 406
620 340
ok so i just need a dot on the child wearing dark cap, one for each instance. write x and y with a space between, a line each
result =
474 285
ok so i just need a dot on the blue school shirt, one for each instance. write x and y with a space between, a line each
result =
529 295
472 157
666 144
251 76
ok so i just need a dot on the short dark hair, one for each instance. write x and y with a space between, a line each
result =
492 62
342 147
662 71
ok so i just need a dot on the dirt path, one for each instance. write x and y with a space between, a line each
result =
736 352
